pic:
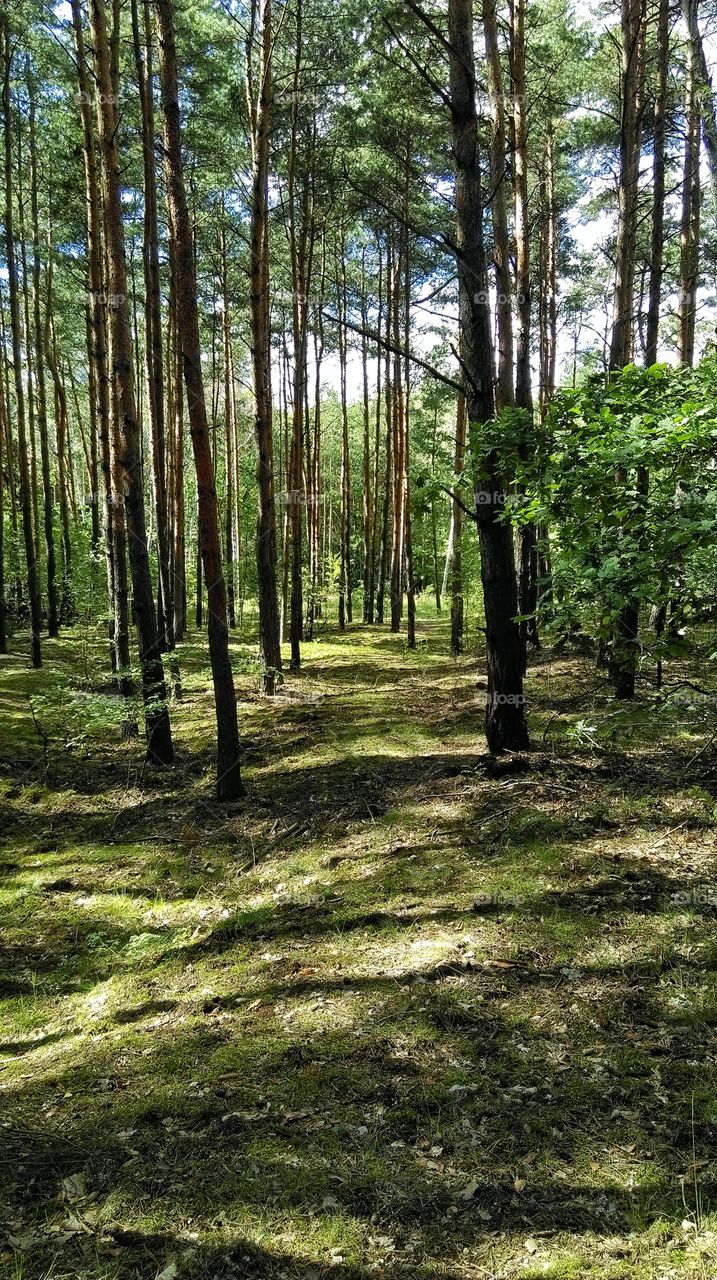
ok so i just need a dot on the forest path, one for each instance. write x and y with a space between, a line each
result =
400 1012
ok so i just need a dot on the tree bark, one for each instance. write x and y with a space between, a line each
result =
499 210
53 625
505 722
23 458
158 731
657 229
154 357
229 785
259 91
632 21
690 221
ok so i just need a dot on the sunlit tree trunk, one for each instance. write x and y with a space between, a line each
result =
499 208
505 722
345 581
229 785
632 25
456 559
260 95
23 456
690 221
154 356
229 435
657 229
47 490
159 736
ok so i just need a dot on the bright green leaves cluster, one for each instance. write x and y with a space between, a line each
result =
622 481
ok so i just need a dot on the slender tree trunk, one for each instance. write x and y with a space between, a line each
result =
63 477
406 495
3 622
154 356
366 455
658 185
499 208
549 274
114 525
229 434
456 562
345 583
505 710
33 581
434 520
398 529
179 554
229 785
690 222
632 19
260 97
53 626
27 344
371 613
631 78
706 97
388 475
159 735
527 534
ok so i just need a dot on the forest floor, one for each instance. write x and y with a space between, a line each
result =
401 1012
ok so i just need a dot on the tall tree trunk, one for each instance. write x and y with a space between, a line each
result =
3 622
632 21
505 722
456 563
158 731
434 519
499 209
301 252
33 580
706 97
345 582
527 534
179 530
406 496
367 506
389 468
53 626
229 785
229 435
154 356
397 401
63 471
376 449
690 221
259 89
658 185
549 274
114 524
